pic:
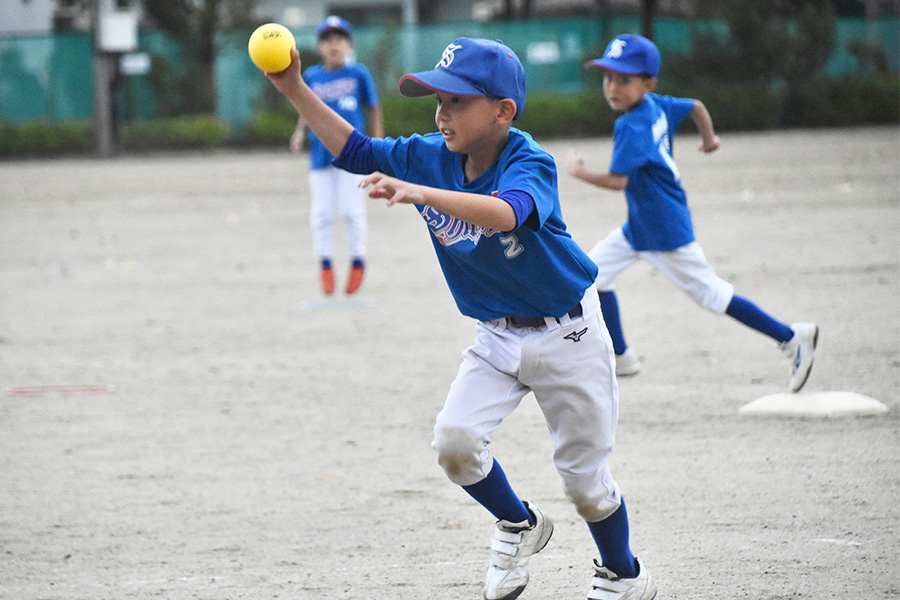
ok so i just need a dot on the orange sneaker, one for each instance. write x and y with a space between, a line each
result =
327 280
354 280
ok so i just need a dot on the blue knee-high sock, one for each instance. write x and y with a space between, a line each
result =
495 494
609 306
754 317
611 536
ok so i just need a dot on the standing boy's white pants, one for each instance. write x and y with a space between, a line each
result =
686 267
336 194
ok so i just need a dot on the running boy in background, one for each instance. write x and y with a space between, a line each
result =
659 228
488 195
347 88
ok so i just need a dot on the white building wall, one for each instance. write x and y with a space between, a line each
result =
26 16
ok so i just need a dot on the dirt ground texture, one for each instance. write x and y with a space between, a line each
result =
255 441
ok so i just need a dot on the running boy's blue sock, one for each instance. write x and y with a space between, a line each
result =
609 306
325 263
611 536
754 317
495 494
358 263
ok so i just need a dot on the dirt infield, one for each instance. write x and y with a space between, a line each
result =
182 417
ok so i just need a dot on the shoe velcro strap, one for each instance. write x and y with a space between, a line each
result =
606 589
507 544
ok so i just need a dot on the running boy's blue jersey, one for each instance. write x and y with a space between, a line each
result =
535 270
658 214
346 90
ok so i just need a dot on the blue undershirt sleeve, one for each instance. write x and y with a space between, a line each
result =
357 155
522 204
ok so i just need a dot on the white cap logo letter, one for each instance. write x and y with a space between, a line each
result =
617 47
447 56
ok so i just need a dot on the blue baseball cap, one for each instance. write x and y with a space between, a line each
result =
333 23
472 67
630 54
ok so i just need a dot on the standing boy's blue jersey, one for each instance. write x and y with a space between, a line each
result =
658 215
347 91
535 270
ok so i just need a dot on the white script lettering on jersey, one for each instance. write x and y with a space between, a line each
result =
447 56
330 91
450 230
661 138
617 47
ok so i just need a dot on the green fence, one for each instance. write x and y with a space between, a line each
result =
50 76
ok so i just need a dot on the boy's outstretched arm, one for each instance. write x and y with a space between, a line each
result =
331 128
610 181
704 123
477 209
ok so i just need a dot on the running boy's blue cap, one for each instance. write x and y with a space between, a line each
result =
630 54
333 24
472 67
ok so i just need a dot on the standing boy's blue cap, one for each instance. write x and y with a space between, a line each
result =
472 67
333 24
630 54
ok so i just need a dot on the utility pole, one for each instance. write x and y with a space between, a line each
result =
115 33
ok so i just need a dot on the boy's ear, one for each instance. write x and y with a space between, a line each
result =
507 110
651 84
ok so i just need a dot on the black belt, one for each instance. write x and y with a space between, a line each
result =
539 321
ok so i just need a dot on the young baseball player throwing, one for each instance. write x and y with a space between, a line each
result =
659 228
488 195
349 89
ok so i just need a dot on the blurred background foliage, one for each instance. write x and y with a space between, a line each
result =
757 64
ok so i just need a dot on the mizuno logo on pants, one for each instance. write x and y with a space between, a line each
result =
575 336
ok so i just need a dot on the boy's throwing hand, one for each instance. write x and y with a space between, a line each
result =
289 79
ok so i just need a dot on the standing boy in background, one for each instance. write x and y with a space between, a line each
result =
349 89
488 194
659 227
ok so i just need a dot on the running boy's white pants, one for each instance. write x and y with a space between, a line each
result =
686 267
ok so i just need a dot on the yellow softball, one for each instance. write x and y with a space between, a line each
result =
270 47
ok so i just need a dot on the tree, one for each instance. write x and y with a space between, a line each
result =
195 25
648 11
768 41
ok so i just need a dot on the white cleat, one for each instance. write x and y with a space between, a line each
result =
606 585
627 364
801 350
512 546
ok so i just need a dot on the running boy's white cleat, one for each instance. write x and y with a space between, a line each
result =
801 350
512 546
606 585
627 364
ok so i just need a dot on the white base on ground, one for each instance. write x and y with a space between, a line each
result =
815 404
306 304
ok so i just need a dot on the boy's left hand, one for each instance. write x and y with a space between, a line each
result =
710 145
392 189
288 80
576 164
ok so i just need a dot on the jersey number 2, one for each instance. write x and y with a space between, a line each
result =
513 247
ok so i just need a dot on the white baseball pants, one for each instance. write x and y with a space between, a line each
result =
573 381
686 267
336 194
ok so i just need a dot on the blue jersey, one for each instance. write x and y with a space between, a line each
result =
658 214
346 90
535 270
